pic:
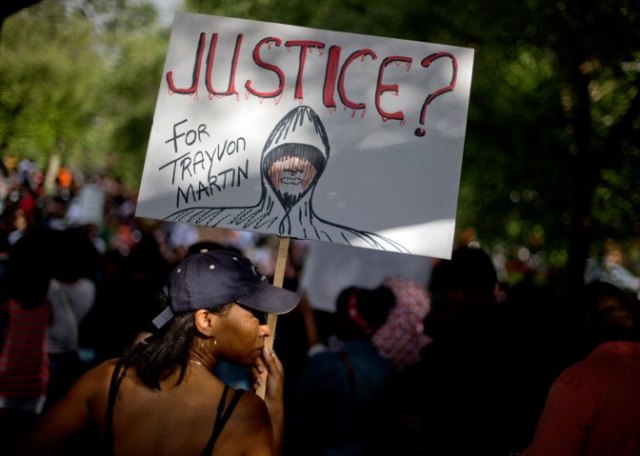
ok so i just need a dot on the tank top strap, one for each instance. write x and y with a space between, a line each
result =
222 416
116 379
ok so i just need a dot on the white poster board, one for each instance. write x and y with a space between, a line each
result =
310 134
330 268
88 208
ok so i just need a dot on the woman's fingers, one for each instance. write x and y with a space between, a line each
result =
272 362
275 377
257 372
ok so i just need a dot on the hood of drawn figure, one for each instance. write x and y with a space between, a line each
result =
295 155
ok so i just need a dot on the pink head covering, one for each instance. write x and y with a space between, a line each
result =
401 338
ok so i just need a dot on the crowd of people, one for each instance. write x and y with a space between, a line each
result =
453 364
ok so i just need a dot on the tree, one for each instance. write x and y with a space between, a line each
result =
81 79
582 115
51 79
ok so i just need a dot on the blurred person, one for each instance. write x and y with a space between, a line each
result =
31 184
593 407
464 396
376 332
65 183
55 209
24 319
71 295
175 239
5 184
19 225
133 274
401 337
162 397
610 268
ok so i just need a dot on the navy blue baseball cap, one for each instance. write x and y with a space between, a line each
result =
211 279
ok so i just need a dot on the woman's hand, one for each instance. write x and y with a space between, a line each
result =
268 368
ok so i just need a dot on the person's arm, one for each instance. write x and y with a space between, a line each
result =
273 394
58 427
563 424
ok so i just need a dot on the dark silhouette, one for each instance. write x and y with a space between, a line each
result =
466 395
593 408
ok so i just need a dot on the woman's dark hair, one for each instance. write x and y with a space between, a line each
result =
168 349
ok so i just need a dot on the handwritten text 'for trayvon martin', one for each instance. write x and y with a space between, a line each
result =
194 163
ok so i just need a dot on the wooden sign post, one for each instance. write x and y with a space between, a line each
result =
278 281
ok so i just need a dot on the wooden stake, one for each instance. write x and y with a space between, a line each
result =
278 281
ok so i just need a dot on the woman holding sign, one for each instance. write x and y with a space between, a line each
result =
162 398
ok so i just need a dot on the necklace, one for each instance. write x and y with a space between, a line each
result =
195 362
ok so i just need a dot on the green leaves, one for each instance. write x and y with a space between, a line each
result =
75 78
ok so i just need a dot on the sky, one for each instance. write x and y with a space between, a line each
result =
167 8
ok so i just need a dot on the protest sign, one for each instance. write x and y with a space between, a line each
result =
88 208
330 268
308 133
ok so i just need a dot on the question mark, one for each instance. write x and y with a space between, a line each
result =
432 96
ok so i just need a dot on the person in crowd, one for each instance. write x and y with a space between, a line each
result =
162 396
376 332
401 337
465 394
593 407
24 320
611 268
132 276
71 295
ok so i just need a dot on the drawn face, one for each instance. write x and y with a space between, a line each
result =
291 177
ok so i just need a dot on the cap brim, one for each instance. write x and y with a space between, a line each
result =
271 299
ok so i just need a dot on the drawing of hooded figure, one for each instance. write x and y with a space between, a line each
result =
293 159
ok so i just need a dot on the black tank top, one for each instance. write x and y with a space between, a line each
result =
222 414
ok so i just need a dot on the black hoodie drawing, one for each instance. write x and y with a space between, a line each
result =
293 159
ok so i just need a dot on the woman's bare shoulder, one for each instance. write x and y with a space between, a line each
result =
250 415
248 431
252 407
104 370
96 381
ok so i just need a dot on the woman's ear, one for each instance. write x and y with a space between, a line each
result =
205 321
